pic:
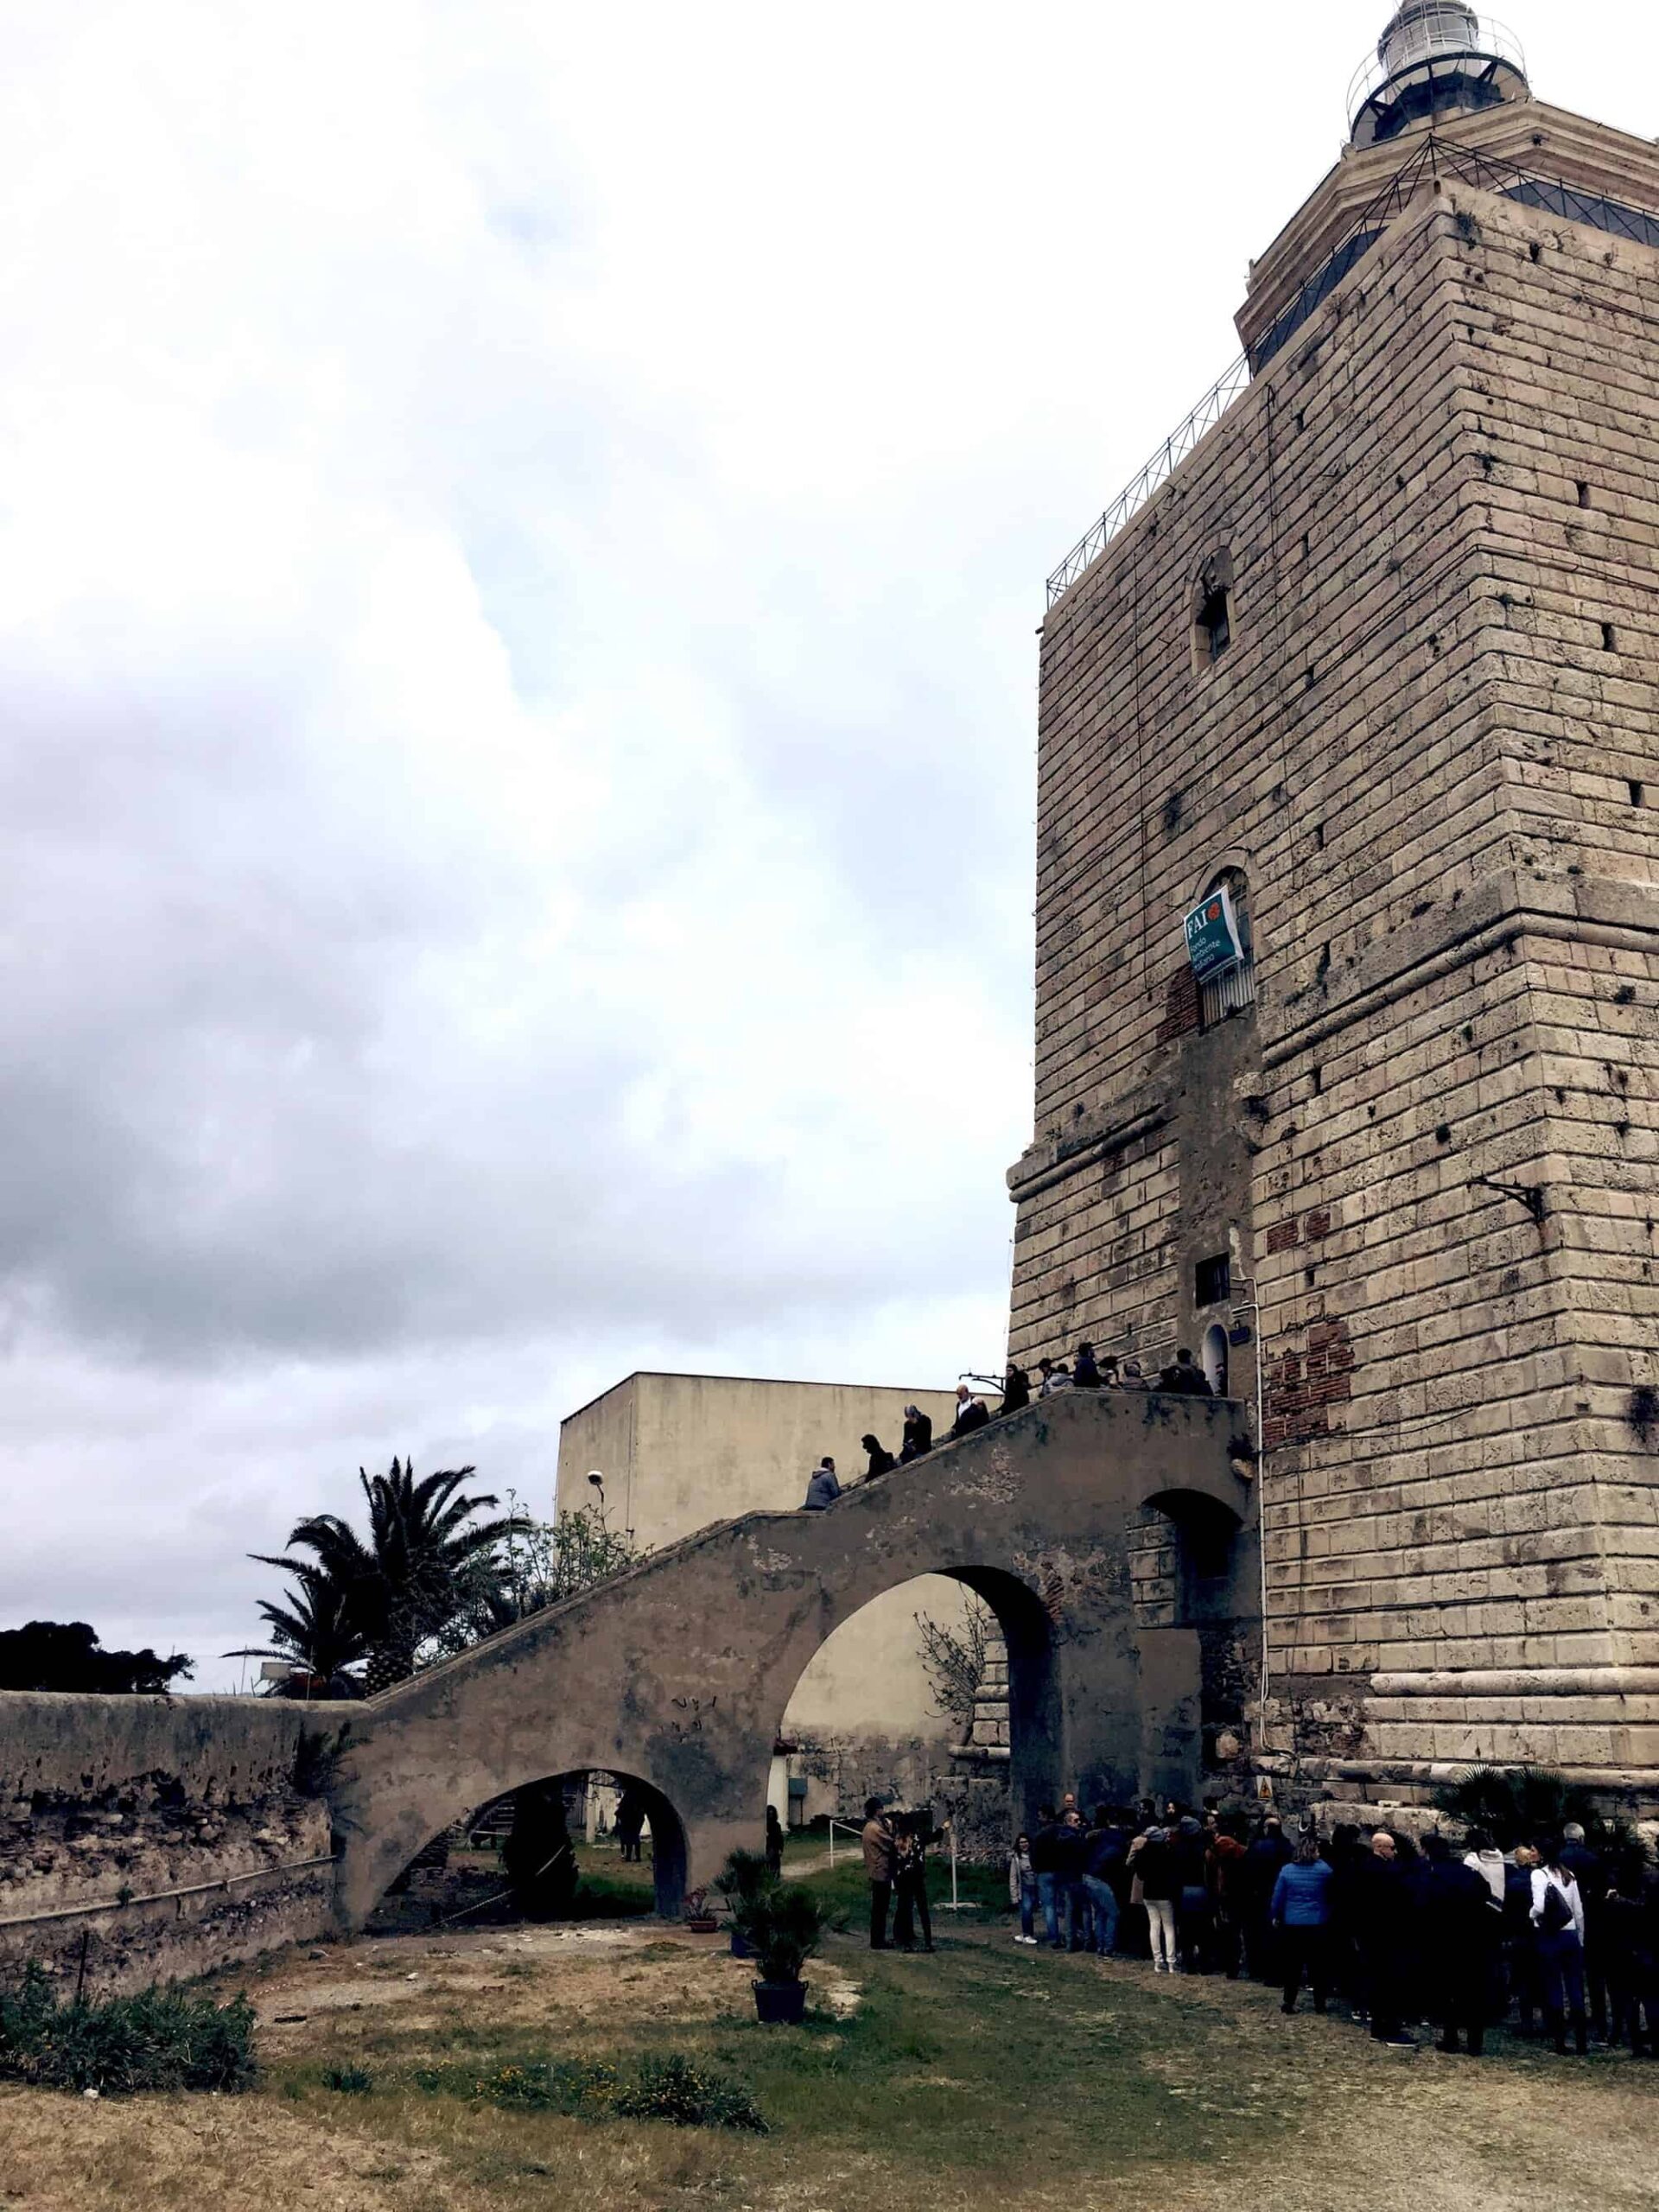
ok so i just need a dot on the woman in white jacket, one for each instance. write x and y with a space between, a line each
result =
1557 1915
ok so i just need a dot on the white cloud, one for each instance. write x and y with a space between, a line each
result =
520 536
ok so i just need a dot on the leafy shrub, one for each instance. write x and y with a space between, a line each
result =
680 2090
747 1875
158 2039
782 1927
1522 1805
350 2080
527 2088
690 2095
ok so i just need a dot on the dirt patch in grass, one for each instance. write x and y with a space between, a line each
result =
242 2154
559 1981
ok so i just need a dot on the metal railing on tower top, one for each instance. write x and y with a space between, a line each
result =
1434 158
1439 35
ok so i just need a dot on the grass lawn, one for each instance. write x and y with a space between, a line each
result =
987 2076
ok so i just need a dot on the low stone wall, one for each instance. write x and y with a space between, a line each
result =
843 1771
145 1839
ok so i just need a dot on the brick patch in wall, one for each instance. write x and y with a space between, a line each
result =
1182 1006
1300 1387
1311 1226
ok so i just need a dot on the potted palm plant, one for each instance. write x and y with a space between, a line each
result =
746 1877
781 1926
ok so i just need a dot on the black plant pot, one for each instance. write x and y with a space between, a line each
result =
781 2004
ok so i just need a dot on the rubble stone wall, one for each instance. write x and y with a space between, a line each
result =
146 1839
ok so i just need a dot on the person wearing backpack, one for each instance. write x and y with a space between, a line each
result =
1557 1915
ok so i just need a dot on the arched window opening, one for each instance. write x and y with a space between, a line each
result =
937 1694
1198 1557
1212 612
1215 1358
1229 989
586 1845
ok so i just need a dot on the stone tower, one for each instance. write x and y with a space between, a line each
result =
1348 940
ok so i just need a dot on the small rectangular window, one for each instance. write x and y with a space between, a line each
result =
1215 626
1214 1280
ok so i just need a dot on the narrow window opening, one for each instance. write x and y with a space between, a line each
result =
1535 251
1318 1075
1307 1278
1609 643
1638 792
1301 418
1215 626
1318 836
1213 1280
1584 495
1214 1363
1212 611
1307 544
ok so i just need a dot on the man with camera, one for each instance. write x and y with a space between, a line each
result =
880 1849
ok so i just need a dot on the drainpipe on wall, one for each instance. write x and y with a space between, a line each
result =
1251 1305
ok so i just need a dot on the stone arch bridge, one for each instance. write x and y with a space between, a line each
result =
1108 1532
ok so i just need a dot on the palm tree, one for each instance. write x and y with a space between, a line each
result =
406 1580
315 1630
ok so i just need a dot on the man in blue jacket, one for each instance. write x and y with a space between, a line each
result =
1109 1845
1070 1866
1045 1865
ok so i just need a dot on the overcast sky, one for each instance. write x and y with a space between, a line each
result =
521 529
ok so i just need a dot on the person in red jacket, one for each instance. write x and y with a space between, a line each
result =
1224 1864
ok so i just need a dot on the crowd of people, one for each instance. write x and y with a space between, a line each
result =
1183 1377
1556 1938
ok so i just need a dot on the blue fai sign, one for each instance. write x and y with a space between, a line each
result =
1212 943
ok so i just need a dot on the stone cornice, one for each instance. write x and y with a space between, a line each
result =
1106 1129
1584 910
1521 1682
